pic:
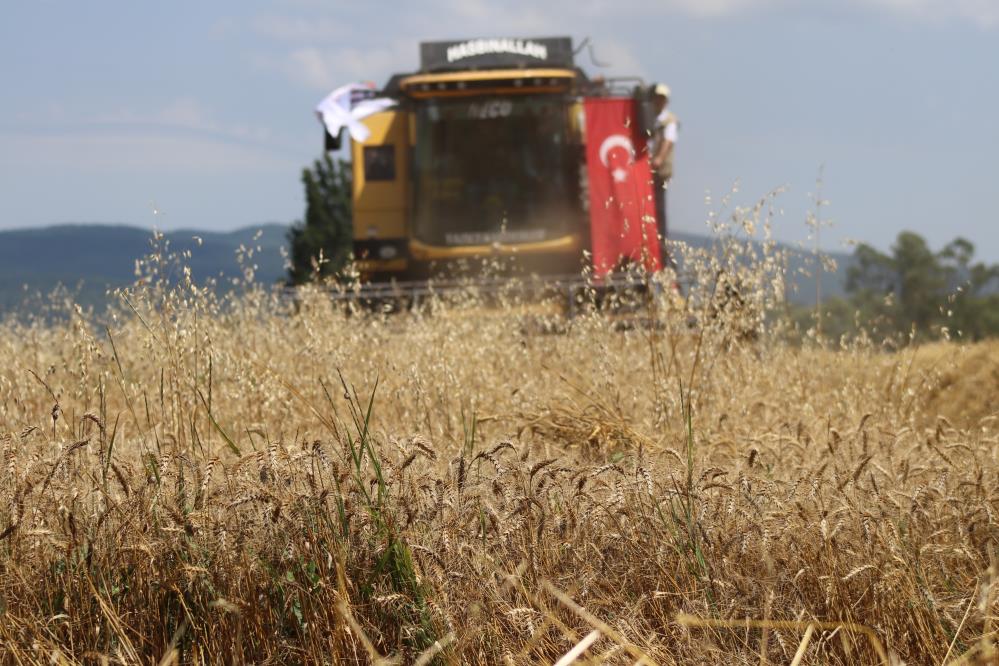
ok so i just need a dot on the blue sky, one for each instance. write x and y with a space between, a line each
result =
198 114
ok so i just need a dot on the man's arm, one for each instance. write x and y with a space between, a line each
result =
662 152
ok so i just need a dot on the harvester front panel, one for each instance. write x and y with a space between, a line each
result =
495 174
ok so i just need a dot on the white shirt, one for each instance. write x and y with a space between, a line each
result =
669 126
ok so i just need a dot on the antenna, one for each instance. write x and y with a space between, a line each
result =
587 43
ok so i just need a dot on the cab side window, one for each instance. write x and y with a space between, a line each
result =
379 163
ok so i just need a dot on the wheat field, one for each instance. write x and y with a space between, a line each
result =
258 479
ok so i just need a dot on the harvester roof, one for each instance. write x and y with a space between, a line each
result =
490 65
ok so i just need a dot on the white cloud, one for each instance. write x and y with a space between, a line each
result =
713 8
309 66
984 13
115 151
324 59
181 135
186 112
298 29
479 18
324 68
181 113
319 46
524 17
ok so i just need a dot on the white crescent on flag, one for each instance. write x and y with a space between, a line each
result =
617 141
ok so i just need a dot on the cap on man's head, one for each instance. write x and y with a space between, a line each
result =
661 90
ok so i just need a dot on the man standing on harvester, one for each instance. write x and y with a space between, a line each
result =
663 140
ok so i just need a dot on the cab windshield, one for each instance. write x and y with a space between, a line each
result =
494 169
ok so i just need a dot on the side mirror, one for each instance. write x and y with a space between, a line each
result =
331 142
646 114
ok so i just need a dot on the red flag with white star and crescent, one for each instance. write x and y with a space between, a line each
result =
622 210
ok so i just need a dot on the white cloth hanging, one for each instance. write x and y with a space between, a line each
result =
347 106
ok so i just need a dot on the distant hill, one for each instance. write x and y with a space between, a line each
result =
801 270
90 258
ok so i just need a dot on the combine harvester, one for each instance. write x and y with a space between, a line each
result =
499 164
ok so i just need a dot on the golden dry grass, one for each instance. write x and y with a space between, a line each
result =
196 483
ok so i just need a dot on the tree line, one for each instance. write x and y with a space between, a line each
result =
913 292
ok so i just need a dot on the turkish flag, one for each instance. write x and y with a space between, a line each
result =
622 210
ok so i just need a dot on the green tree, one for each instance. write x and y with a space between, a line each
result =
321 243
973 305
872 285
913 287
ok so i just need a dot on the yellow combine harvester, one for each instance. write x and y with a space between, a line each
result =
483 158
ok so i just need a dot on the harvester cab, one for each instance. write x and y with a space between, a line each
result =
503 150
